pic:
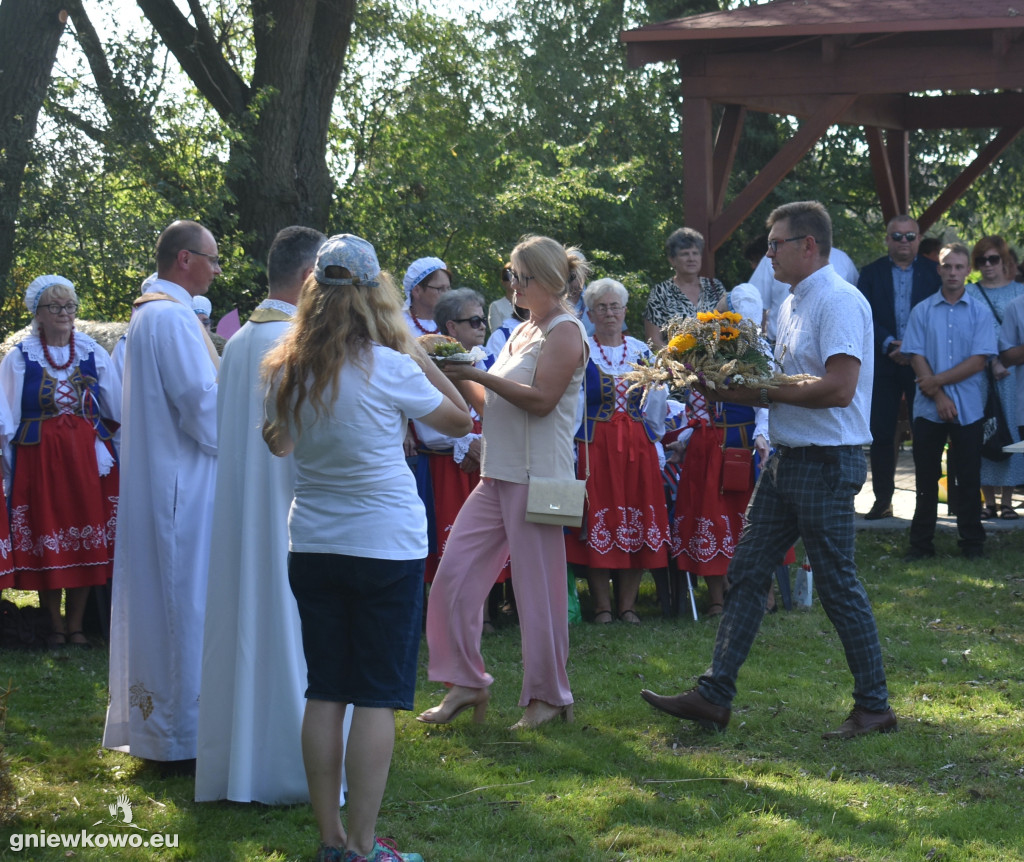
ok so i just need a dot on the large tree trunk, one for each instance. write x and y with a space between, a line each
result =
30 32
278 165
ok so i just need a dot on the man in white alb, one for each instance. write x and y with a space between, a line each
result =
254 672
168 463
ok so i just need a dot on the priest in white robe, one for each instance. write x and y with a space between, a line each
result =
252 694
168 466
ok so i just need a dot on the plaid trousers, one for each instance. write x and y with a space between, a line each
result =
796 496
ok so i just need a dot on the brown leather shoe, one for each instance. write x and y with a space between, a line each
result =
692 706
863 721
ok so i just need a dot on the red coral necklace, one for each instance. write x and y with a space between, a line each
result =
49 358
606 358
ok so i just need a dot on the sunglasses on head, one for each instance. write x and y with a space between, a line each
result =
899 236
990 259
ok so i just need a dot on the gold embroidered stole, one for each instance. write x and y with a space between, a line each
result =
268 315
156 294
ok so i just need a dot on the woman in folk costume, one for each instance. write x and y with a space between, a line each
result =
449 467
708 517
626 528
7 428
65 399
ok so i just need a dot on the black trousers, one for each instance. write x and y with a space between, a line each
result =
929 440
885 413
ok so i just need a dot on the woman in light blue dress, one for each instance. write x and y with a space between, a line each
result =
997 289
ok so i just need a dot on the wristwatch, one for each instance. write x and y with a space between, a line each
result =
764 401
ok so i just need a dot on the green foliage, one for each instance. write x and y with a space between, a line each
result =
452 136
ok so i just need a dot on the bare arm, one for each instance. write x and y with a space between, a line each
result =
930 383
451 416
835 388
652 332
558 360
1012 356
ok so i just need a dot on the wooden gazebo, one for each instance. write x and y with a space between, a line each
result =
828 62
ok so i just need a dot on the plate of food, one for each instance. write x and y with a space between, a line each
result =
444 348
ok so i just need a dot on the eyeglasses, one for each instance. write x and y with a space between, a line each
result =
899 236
614 308
69 308
213 258
518 278
773 244
440 288
476 321
991 260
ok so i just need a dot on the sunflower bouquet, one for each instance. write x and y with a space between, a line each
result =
714 350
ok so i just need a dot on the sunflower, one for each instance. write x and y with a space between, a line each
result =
729 333
682 343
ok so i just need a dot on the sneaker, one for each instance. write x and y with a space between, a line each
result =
383 851
327 853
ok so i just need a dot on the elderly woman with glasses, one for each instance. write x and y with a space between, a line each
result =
626 527
450 467
687 292
997 288
65 400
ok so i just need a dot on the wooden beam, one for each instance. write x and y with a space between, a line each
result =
881 170
698 199
986 157
771 174
727 141
727 77
897 147
974 111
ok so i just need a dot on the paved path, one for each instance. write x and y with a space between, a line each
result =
904 499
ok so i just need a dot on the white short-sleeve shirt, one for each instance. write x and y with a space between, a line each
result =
824 316
354 492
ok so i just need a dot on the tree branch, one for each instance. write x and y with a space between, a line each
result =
199 56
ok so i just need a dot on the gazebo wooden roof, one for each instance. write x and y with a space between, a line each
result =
825 62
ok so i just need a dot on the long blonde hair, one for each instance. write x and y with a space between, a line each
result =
334 324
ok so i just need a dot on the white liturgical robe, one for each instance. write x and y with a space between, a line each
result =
168 466
254 672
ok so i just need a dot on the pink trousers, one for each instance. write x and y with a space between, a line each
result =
493 520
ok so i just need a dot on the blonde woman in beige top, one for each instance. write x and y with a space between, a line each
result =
531 391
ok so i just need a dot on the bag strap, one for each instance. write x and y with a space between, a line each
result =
984 295
543 338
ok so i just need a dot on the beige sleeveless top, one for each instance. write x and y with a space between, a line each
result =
505 426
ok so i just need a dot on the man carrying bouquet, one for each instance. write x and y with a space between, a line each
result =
819 426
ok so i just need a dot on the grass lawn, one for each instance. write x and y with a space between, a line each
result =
625 782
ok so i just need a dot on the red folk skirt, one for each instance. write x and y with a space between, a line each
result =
707 523
451 486
626 519
63 513
6 552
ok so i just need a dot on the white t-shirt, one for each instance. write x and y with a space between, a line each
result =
354 492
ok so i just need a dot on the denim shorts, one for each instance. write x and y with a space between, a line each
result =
361 624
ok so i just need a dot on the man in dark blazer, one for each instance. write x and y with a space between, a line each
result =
893 285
